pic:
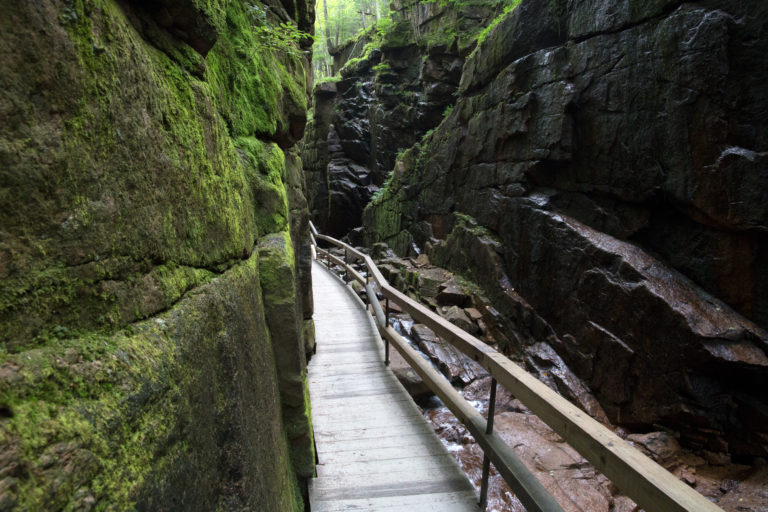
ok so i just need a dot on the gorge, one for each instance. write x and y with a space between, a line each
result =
582 184
595 171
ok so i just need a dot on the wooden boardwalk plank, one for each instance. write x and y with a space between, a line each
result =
368 469
375 449
436 502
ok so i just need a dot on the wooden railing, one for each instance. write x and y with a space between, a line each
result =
643 480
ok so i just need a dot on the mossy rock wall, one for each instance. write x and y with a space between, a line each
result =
146 152
179 412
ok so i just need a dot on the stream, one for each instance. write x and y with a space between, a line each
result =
457 439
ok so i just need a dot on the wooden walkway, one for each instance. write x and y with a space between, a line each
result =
375 449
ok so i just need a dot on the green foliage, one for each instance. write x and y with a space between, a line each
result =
379 194
339 24
447 110
280 37
254 83
363 32
383 26
487 30
381 67
327 79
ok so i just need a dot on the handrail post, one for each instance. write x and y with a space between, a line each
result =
491 407
386 340
486 460
346 265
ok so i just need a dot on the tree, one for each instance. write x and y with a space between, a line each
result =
336 23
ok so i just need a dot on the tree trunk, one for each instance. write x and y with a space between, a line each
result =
378 9
328 59
328 43
338 24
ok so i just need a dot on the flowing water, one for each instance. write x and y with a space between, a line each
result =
459 442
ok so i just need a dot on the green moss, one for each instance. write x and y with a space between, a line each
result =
471 225
277 269
107 413
354 66
60 406
381 67
328 79
253 85
176 191
266 163
441 35
278 283
175 280
483 35
398 35
215 11
299 426
149 183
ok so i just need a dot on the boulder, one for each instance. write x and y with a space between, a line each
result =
450 294
474 314
661 446
410 380
460 319
431 279
420 333
458 368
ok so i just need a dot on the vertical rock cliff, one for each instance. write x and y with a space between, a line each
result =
603 177
155 302
397 84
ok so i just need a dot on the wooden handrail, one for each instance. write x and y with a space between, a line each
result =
643 480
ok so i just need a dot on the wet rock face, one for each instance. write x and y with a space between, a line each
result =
642 135
650 344
458 368
612 167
